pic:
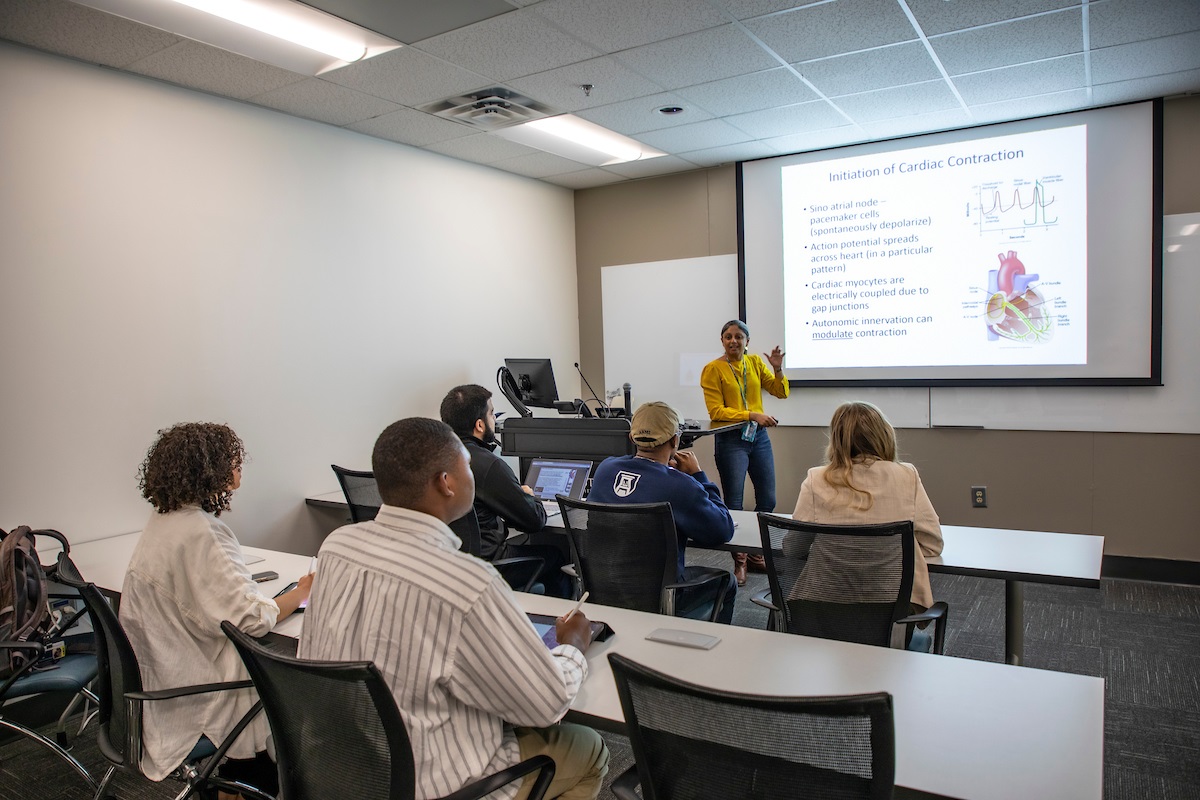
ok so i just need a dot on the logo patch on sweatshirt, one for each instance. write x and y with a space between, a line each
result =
625 483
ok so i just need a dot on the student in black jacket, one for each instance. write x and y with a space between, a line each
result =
501 502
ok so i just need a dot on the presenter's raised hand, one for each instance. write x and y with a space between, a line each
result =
775 358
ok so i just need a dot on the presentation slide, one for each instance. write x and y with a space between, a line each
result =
943 255
1022 252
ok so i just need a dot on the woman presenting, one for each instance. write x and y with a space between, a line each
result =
733 387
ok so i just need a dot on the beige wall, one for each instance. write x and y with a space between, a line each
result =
1128 487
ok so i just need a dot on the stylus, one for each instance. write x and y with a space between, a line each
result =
571 613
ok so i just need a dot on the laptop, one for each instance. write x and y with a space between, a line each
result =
550 477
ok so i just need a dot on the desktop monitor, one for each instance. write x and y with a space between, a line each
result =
535 381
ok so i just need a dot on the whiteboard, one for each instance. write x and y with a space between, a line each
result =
660 344
662 324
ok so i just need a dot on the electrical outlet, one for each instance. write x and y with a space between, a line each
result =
979 497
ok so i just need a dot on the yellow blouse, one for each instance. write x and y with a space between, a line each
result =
723 389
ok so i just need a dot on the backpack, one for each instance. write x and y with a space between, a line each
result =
24 603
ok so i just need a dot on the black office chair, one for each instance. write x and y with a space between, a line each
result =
338 732
845 582
694 743
71 675
120 700
361 491
521 572
627 556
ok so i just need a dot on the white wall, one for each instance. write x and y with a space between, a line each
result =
170 256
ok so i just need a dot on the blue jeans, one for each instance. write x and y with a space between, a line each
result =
736 458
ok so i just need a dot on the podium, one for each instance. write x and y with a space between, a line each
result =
572 438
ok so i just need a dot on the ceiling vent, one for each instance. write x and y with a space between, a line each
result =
489 109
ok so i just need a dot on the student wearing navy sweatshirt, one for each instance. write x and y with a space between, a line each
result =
661 472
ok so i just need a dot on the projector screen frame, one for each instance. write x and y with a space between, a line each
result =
1155 378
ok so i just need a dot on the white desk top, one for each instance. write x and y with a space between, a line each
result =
963 728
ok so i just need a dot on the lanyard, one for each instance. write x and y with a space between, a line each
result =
742 383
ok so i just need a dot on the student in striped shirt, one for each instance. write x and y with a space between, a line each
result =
477 688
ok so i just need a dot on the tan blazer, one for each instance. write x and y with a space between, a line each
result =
898 495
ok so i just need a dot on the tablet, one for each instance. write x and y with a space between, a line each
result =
544 625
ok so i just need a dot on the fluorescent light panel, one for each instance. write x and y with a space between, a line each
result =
290 35
579 140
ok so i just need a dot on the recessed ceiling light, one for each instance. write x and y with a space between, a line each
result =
669 110
579 140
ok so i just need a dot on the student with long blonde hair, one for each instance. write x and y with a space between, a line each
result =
863 483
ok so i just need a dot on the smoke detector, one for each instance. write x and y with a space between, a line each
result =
488 109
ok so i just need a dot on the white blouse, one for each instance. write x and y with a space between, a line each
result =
186 576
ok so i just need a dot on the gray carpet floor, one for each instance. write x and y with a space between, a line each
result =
1142 638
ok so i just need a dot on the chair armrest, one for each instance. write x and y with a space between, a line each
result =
763 598
939 615
184 691
35 653
712 577
716 576
522 570
625 787
544 765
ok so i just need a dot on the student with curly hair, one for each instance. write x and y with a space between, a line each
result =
186 576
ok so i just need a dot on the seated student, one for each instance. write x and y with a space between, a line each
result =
463 661
863 483
187 574
501 501
661 472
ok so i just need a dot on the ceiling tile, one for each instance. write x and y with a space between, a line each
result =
1009 43
1038 77
1124 21
645 168
700 57
412 20
638 116
211 69
611 82
789 120
538 165
828 29
899 101
407 76
880 68
919 123
815 140
751 92
584 179
408 126
325 102
1140 59
508 46
613 25
939 16
1143 88
84 33
1054 103
698 135
482 148
728 154
745 9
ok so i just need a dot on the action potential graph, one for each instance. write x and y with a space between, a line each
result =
1015 205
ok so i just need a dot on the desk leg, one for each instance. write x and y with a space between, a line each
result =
1014 622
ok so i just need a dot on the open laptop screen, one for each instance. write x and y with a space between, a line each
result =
549 477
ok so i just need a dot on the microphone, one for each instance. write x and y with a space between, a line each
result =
628 406
589 385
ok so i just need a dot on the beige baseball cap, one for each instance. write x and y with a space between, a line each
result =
653 424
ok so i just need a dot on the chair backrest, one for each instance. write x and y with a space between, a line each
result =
625 554
847 582
696 743
119 736
466 528
336 727
361 491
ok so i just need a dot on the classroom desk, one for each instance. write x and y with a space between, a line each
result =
964 728
1013 556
